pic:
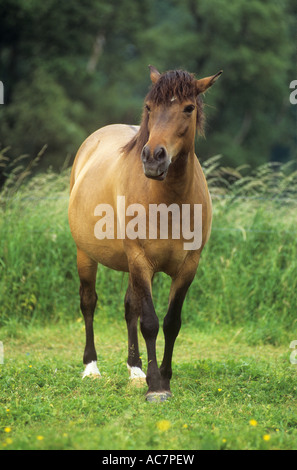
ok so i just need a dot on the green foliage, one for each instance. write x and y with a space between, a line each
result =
69 69
43 118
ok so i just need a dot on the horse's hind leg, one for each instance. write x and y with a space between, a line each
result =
87 270
134 363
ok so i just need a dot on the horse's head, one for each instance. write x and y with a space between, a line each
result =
173 111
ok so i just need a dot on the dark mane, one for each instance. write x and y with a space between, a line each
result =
178 84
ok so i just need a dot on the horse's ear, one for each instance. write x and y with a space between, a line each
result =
204 83
155 75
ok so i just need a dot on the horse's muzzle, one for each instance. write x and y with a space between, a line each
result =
156 164
155 175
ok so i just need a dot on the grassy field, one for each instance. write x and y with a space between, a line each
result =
234 386
226 393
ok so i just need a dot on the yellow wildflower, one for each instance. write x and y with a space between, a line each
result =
253 422
39 438
266 437
7 429
163 425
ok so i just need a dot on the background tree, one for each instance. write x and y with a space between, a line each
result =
71 67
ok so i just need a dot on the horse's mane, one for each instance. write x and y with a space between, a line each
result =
178 84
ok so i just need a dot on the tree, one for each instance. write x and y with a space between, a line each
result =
71 67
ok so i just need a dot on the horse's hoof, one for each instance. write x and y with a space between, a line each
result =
157 397
136 373
93 376
137 376
137 382
92 371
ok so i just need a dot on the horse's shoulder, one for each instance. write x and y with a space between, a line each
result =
104 142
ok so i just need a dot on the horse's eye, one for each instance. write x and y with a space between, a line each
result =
147 108
189 109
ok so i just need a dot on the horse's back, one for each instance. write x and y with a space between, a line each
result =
101 148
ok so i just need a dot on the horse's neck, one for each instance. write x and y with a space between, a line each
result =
181 173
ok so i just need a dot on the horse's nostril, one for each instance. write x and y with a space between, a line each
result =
160 153
145 154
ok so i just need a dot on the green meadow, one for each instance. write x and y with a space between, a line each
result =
234 386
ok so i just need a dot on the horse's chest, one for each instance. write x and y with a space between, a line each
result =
166 255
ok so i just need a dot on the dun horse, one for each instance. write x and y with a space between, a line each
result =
150 165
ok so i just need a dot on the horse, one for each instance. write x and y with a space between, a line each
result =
152 165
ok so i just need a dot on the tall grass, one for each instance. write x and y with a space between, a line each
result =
247 274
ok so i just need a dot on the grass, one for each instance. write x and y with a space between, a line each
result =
233 381
221 387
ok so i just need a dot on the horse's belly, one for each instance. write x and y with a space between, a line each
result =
110 257
107 251
110 253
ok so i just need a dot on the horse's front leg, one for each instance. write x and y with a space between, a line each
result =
134 362
140 296
172 324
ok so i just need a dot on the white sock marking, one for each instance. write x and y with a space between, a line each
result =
91 369
136 372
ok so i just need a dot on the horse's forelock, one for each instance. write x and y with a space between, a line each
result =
176 84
